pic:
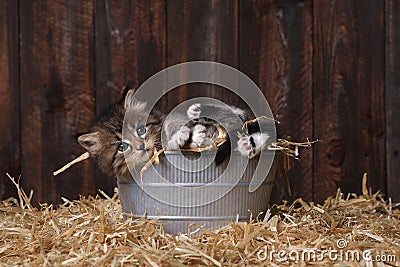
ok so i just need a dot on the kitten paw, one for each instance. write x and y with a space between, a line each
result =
250 146
179 138
194 111
244 146
198 136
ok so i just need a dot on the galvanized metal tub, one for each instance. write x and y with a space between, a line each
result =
235 201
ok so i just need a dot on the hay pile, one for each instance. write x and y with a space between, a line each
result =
92 231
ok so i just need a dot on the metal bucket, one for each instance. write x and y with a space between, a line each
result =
234 205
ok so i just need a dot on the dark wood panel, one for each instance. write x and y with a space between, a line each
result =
393 99
201 30
276 52
321 65
9 94
130 46
349 54
57 95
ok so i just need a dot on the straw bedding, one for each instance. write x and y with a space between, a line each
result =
92 231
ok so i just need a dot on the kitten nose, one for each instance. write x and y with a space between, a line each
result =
140 146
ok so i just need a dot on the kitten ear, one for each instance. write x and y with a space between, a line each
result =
132 102
129 98
90 142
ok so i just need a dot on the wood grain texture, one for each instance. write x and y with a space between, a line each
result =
392 107
329 69
57 95
276 52
9 95
349 64
201 30
130 46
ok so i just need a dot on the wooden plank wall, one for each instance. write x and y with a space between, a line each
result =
57 95
392 108
10 156
349 95
329 70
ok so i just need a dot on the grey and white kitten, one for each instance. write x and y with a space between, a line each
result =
114 152
204 130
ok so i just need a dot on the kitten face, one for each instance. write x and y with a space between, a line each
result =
141 135
115 151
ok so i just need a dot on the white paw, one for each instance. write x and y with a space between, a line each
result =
250 146
194 111
179 138
193 145
244 146
199 134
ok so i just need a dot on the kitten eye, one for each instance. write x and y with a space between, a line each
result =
122 147
141 131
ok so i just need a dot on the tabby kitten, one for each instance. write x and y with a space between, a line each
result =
104 141
114 152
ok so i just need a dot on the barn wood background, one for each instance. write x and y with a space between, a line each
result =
328 68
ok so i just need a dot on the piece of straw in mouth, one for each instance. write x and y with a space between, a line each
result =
69 164
154 159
